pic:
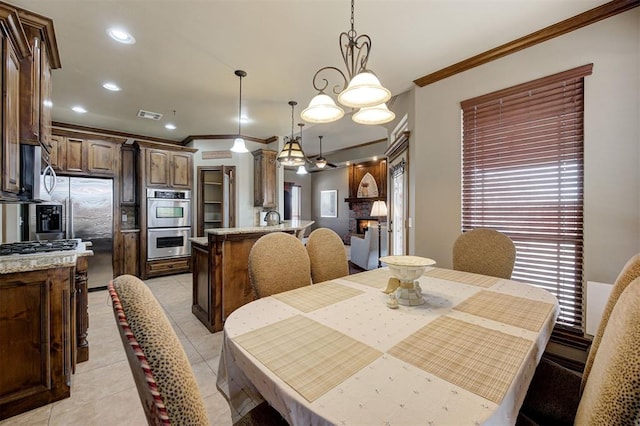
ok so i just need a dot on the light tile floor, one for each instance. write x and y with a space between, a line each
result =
102 389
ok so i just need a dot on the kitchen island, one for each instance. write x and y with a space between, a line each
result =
220 269
43 326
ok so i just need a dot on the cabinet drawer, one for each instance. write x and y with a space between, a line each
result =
169 266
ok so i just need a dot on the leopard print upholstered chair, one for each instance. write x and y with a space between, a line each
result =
163 375
327 255
278 262
611 394
629 272
484 251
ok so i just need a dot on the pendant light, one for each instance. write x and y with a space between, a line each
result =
238 143
321 162
302 170
292 154
378 114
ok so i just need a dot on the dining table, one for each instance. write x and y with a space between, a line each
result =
335 353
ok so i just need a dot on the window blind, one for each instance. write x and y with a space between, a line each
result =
522 174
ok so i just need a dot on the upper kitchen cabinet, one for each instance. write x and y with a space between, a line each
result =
14 49
166 166
264 178
70 155
35 79
128 175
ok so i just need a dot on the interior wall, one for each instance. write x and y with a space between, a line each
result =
611 139
325 180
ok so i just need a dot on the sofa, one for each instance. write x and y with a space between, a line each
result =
364 251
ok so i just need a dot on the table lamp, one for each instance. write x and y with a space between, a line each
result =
379 210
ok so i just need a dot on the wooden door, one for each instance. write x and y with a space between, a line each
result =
130 253
11 127
101 158
128 176
181 170
75 155
45 95
157 167
399 195
58 152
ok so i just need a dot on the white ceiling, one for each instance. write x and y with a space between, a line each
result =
186 52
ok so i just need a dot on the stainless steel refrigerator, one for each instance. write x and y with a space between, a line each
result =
88 214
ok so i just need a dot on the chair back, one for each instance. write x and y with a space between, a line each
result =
484 251
629 272
327 255
612 391
278 262
163 375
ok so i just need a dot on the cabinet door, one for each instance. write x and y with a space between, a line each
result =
75 155
181 170
128 176
101 158
45 96
130 253
11 125
157 168
58 152
30 93
264 178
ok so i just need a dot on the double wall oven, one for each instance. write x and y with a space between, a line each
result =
168 223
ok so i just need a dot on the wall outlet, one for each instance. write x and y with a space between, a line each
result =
124 217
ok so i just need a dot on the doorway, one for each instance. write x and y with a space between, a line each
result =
398 154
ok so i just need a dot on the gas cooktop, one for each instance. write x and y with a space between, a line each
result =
26 247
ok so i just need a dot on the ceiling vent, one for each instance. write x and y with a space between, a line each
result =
150 115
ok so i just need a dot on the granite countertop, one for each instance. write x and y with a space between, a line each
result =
295 225
201 241
36 261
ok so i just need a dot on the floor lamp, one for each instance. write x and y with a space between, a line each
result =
379 210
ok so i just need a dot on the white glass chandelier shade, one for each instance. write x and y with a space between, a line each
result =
322 109
364 90
378 114
301 170
239 146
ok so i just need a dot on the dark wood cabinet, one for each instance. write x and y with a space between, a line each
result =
264 178
36 338
130 252
128 176
83 157
169 169
368 181
216 198
11 119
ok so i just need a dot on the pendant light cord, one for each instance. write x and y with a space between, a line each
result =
240 109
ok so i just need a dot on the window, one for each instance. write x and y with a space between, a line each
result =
522 174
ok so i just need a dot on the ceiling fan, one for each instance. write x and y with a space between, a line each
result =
320 161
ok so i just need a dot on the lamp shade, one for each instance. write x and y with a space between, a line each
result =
364 90
378 114
322 109
239 146
301 170
379 209
321 162
291 154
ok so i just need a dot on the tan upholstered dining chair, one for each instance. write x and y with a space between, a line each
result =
278 262
327 255
165 381
484 251
611 394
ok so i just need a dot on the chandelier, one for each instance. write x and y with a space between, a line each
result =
360 88
292 154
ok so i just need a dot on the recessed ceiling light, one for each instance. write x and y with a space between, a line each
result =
170 126
111 86
79 109
121 36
